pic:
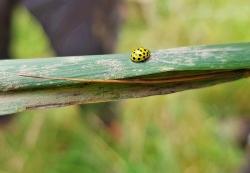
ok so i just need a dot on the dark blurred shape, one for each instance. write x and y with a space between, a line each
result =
5 120
107 113
6 11
246 167
243 136
244 140
78 27
74 27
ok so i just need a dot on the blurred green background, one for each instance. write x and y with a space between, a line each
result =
191 132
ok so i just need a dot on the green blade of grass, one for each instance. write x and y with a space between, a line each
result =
177 70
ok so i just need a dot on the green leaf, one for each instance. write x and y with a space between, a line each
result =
175 70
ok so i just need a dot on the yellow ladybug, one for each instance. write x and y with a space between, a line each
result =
140 54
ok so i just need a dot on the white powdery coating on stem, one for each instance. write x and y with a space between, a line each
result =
74 59
113 66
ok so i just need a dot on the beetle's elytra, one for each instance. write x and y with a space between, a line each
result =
140 55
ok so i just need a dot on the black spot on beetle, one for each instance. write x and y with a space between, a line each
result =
139 59
140 54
